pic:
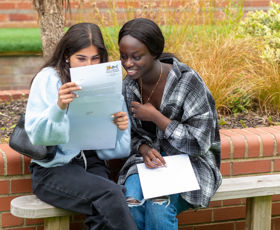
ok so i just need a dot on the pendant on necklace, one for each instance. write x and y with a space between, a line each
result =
152 92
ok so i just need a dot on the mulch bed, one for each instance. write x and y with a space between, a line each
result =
11 111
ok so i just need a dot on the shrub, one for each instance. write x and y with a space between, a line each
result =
265 25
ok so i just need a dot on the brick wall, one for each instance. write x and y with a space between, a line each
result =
16 72
249 151
20 13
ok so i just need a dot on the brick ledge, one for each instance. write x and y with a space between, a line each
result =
7 95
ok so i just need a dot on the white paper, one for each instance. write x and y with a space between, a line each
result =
177 177
90 114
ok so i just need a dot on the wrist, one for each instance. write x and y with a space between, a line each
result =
155 116
61 106
143 149
160 120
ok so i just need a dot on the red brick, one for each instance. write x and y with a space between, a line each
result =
4 96
4 187
4 17
22 17
5 203
276 134
102 4
8 220
233 202
240 225
223 226
230 213
225 169
238 143
25 5
7 5
276 165
183 228
34 221
126 4
253 142
15 94
276 198
215 204
256 3
13 160
21 185
24 228
25 92
249 167
225 147
191 217
276 224
266 139
275 209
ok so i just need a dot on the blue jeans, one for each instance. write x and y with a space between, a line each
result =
153 214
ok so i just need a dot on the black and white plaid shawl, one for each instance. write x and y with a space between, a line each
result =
193 129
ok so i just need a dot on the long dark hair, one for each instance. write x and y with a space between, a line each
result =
78 36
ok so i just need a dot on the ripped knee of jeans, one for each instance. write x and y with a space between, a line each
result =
161 200
132 202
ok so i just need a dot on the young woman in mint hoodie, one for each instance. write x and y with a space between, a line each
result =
75 180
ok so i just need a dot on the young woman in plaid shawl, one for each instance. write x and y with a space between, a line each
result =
171 112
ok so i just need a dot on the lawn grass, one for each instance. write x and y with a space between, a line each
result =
20 40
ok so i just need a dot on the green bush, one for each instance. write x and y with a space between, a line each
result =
265 25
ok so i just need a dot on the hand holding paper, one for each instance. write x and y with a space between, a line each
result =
121 120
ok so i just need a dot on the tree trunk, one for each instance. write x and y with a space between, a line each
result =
51 19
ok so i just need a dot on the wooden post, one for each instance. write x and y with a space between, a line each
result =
57 223
258 213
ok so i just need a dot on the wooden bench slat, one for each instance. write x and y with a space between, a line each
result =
249 186
31 207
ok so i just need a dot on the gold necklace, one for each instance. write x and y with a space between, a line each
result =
152 92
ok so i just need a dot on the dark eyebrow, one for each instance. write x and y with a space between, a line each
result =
139 53
80 55
97 55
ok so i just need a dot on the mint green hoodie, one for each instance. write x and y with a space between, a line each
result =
47 124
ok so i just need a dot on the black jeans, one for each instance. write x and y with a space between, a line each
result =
88 192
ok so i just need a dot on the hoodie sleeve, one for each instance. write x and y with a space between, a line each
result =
45 122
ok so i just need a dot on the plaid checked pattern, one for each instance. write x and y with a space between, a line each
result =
193 129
